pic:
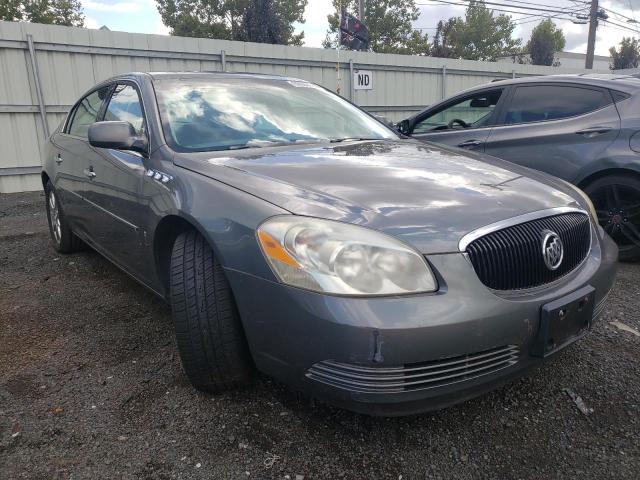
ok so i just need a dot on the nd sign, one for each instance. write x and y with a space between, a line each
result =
363 80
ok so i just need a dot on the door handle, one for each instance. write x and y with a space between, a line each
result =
593 131
90 173
58 159
470 143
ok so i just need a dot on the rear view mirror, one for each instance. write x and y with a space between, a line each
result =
482 102
403 127
116 135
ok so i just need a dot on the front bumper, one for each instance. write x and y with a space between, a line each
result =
298 336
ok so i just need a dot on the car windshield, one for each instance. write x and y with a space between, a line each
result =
241 112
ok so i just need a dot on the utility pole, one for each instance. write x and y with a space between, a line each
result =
591 41
361 10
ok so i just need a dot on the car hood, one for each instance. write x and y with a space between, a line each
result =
430 196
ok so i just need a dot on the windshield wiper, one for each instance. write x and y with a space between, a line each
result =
338 140
278 143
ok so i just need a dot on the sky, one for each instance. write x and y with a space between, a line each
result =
142 16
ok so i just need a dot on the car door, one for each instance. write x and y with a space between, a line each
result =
116 177
557 128
464 122
72 151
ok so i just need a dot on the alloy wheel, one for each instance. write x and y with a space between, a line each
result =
618 209
56 226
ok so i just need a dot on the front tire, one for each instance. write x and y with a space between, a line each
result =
617 202
209 333
62 237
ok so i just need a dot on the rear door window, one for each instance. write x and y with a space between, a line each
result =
539 103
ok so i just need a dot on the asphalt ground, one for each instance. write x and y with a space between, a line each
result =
91 387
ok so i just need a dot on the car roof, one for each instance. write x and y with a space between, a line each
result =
608 80
199 75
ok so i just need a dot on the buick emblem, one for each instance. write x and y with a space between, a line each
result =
552 249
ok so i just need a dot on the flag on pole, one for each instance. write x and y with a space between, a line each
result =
353 33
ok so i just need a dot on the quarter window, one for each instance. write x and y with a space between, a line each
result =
538 103
86 112
125 106
472 112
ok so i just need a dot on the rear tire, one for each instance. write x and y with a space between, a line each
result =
617 202
62 238
209 333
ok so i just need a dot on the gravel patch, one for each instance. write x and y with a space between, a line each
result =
91 387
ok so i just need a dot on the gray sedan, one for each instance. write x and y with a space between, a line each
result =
295 234
584 129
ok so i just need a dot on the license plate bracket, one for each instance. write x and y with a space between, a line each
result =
564 321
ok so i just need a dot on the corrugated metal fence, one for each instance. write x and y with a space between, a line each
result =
45 68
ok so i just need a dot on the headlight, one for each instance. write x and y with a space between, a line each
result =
333 257
589 203
585 197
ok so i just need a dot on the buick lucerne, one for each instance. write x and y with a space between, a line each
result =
293 233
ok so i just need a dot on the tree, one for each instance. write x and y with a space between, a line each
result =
67 12
390 24
261 23
480 35
264 21
57 12
628 56
546 39
11 10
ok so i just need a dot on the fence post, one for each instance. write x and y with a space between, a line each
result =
36 82
223 60
444 81
351 86
513 74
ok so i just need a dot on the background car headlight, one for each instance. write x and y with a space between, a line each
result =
338 258
585 197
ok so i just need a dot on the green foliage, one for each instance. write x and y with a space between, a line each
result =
546 39
628 56
264 21
480 35
389 23
11 10
57 12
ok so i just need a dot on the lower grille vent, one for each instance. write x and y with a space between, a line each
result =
413 376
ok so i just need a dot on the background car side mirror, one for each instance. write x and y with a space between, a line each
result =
403 127
117 135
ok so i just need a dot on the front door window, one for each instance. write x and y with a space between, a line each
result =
471 112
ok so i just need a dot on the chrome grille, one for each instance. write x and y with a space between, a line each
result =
413 376
511 258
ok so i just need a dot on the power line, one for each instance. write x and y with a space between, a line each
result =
537 18
534 3
500 5
633 14
620 26
618 13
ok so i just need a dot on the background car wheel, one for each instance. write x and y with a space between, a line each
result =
617 202
63 239
211 341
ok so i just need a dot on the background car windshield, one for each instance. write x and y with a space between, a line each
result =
218 114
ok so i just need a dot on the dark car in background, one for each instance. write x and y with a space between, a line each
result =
584 129
293 233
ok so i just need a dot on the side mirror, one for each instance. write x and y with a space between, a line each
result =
403 127
116 135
